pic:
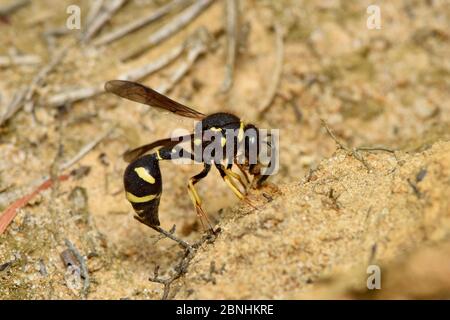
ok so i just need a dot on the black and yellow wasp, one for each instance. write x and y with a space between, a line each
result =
142 177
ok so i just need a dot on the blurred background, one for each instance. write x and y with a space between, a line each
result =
377 73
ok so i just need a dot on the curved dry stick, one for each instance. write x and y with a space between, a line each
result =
232 34
103 17
138 24
149 68
197 47
272 90
83 266
175 25
11 8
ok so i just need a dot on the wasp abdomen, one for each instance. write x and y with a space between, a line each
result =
143 187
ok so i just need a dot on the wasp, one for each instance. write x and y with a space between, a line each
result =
142 177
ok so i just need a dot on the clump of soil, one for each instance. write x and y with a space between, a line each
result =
339 220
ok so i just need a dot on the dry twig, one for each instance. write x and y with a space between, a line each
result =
83 267
7 61
276 75
355 151
135 74
103 16
68 97
14 106
381 148
232 14
139 23
84 151
9 9
175 25
182 267
342 146
197 46
150 68
170 235
94 10
51 36
41 75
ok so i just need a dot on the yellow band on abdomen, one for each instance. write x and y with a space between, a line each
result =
135 199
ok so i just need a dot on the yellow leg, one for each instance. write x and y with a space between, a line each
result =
234 175
236 191
233 187
198 205
193 193
241 168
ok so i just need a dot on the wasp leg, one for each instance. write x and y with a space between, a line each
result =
236 176
228 178
178 152
196 198
244 173
231 184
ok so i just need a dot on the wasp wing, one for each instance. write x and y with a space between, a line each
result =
133 154
142 94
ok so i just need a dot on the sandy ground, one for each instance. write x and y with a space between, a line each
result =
323 219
